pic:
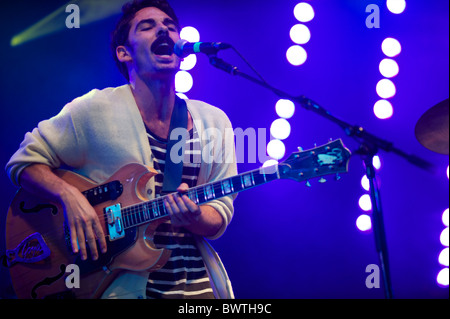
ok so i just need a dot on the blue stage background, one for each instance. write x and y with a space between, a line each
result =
286 240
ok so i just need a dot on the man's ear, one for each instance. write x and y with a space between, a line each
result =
122 54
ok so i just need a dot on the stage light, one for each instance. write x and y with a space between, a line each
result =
364 223
365 202
443 257
190 34
444 237
188 62
396 6
276 149
300 34
182 96
383 109
391 47
91 11
183 81
280 129
389 68
285 108
376 162
365 184
386 89
296 55
445 217
442 277
270 163
304 12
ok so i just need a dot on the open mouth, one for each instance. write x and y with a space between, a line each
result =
163 46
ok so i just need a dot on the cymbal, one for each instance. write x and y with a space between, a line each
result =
432 128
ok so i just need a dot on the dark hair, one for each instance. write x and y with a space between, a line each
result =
120 34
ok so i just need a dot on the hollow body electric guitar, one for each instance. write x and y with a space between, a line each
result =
38 247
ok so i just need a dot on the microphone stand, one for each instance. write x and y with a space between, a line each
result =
369 147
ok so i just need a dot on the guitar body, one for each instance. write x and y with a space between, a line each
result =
39 252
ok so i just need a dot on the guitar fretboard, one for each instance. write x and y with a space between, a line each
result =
146 212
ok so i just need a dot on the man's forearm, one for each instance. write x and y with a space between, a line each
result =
40 180
208 223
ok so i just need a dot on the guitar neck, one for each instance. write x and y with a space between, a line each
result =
146 212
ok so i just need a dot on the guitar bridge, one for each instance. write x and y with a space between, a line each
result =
115 223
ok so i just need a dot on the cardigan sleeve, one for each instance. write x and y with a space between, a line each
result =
53 142
218 155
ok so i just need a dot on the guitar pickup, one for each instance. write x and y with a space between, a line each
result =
104 193
114 221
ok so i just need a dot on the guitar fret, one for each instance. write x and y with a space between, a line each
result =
128 218
136 217
227 187
147 213
125 225
154 210
160 210
164 209
133 218
209 190
140 217
192 196
247 180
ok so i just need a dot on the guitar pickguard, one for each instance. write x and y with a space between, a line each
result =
31 250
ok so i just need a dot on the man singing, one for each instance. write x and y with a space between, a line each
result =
98 133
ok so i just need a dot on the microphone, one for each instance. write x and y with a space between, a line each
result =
184 48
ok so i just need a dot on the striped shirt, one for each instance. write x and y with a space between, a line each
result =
184 276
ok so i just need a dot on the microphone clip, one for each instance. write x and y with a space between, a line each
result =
222 65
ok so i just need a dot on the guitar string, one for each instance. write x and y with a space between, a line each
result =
199 194
128 213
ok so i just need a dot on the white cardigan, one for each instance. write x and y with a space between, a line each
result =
100 132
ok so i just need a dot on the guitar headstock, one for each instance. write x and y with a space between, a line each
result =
329 159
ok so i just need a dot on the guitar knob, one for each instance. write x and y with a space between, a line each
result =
322 180
300 149
308 184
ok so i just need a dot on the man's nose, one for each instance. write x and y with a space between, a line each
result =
162 30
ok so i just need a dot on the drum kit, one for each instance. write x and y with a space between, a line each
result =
432 128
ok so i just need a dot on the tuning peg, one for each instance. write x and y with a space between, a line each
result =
308 184
337 177
322 180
